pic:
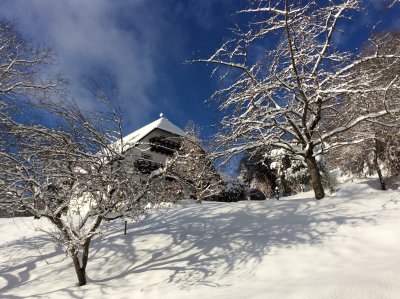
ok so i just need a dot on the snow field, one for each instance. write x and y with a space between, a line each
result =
343 246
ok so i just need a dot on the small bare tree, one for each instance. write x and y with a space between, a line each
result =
194 168
288 75
74 174
375 141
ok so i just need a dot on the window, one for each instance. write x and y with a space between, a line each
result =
146 156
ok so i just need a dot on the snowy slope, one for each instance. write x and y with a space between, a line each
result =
345 246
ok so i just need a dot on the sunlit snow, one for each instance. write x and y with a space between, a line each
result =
343 246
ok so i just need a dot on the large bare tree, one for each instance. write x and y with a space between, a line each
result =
286 75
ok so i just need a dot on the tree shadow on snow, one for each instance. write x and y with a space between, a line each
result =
370 185
201 244
23 257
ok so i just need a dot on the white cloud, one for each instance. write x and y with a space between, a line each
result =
93 34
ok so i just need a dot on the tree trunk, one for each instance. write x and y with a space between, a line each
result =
80 264
79 270
315 177
378 169
381 179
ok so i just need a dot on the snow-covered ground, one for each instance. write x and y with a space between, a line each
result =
344 246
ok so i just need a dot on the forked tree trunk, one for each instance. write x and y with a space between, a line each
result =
315 177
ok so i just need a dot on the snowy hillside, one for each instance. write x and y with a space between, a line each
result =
344 246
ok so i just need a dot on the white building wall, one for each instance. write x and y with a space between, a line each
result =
144 146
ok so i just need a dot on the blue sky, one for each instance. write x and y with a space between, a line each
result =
145 44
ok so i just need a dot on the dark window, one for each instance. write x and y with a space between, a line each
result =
146 156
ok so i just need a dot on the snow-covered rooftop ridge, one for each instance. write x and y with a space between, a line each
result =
161 123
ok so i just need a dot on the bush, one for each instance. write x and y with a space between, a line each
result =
255 194
231 192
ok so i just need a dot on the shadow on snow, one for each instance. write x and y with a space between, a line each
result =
197 244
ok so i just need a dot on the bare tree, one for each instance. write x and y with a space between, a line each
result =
74 174
378 138
21 68
22 79
288 75
194 168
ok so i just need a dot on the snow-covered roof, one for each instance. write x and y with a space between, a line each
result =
161 123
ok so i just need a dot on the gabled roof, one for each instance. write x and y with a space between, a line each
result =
161 123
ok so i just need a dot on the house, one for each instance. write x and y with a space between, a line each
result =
149 147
